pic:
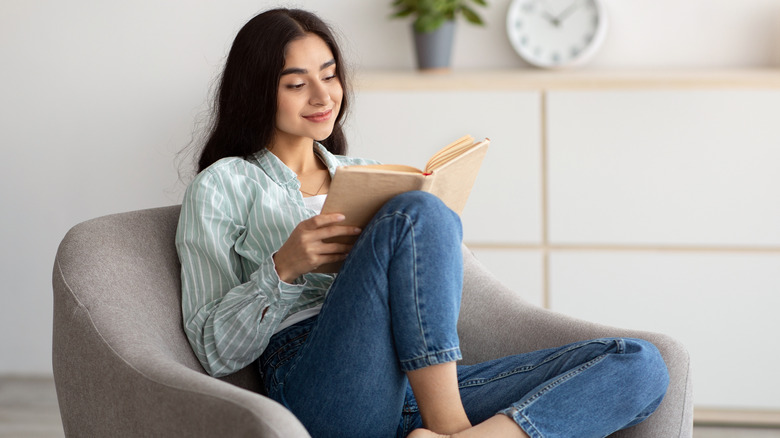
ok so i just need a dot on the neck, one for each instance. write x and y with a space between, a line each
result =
297 154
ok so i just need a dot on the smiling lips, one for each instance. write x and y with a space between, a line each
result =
319 117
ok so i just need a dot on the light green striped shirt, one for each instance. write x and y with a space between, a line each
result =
235 215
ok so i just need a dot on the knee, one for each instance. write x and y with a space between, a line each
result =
419 204
648 365
415 198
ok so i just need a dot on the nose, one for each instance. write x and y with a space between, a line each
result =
320 96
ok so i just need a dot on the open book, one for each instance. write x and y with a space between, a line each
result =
358 192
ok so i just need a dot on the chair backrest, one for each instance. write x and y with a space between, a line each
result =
124 272
123 269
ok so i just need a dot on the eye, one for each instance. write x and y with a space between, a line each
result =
294 86
330 77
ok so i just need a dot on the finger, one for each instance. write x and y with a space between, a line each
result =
329 258
313 238
335 231
335 248
324 220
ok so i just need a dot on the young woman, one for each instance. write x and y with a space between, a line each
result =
371 351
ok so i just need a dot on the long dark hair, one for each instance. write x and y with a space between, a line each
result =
244 113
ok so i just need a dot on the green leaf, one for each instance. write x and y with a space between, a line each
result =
405 5
428 23
430 14
471 16
404 12
451 6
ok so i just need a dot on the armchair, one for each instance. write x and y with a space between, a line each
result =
123 366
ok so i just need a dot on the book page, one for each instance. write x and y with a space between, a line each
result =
448 153
453 180
390 168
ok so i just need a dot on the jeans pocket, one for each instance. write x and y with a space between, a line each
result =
280 354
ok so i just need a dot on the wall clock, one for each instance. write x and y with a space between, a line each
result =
556 33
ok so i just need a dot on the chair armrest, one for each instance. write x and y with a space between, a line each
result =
140 391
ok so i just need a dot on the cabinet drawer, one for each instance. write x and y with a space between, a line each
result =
693 167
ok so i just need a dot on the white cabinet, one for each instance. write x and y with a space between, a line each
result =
679 193
722 306
669 167
635 201
521 269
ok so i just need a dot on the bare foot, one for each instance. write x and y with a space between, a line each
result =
498 426
425 433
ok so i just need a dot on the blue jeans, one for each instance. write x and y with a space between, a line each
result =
394 308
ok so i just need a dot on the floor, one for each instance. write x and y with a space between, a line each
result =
28 409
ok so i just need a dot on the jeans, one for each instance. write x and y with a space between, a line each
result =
394 308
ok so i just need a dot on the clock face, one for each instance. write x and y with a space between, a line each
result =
556 33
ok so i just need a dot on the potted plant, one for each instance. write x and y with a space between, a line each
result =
434 27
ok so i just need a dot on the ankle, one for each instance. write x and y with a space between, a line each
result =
447 423
449 427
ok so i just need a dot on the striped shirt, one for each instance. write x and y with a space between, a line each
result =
235 215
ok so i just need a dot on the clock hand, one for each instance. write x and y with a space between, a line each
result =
568 11
553 20
546 14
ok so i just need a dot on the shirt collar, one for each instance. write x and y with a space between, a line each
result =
329 159
283 175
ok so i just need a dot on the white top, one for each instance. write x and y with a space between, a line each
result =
315 202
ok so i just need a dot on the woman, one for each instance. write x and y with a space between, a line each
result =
371 351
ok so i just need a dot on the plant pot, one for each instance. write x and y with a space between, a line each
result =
434 49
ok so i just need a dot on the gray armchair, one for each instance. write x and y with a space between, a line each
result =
123 367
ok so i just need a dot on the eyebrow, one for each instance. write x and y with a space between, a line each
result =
303 71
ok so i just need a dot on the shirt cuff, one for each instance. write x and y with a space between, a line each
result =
287 290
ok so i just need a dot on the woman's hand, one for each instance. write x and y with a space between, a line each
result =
305 251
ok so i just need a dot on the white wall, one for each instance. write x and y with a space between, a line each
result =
97 99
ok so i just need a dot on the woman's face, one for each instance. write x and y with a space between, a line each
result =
309 95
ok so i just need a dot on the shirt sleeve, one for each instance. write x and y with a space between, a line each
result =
228 323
